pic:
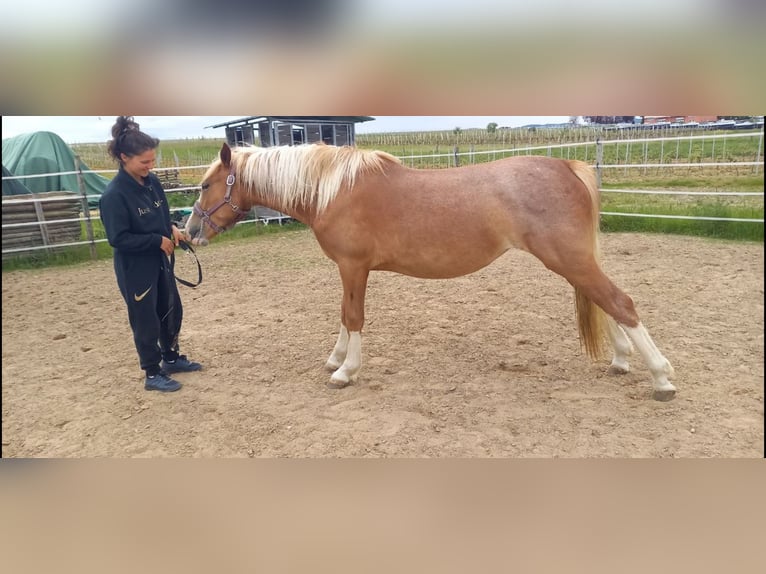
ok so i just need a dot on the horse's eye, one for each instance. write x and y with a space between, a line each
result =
205 186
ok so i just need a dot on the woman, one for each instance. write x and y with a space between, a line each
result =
136 217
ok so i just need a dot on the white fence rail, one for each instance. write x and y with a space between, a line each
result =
453 159
627 143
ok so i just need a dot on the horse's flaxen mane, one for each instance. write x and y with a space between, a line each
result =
303 175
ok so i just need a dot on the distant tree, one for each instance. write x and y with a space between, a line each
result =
457 131
491 127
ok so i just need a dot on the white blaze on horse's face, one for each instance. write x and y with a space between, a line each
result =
196 226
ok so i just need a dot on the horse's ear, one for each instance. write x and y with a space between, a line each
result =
226 154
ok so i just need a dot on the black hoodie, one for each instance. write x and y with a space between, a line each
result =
135 216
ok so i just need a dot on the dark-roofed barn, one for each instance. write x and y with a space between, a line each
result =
291 130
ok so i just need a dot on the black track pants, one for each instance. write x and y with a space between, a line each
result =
155 312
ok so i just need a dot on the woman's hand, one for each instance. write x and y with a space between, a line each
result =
167 246
179 235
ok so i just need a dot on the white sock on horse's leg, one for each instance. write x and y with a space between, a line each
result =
658 365
338 354
349 370
621 345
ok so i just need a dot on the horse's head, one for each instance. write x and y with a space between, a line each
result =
221 202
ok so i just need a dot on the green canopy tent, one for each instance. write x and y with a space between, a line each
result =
45 152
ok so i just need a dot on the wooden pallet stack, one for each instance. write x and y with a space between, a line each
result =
54 206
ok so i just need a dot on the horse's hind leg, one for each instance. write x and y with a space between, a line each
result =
600 289
583 272
622 346
658 365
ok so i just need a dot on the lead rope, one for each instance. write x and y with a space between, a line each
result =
190 251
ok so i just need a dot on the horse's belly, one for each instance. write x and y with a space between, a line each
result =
442 263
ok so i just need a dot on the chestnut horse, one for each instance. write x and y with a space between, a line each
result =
368 212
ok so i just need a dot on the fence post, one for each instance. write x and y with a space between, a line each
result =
85 207
40 213
457 159
599 160
758 155
646 155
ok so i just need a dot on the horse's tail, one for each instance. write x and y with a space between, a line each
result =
590 318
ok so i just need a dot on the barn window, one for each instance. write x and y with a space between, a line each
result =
313 133
342 134
328 135
299 134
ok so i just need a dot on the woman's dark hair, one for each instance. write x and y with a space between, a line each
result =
128 139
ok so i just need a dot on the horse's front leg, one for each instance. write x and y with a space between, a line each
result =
338 354
349 345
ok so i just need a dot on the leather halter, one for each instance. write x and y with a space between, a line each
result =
239 212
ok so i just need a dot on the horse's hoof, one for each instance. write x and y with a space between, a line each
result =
336 384
341 379
618 370
664 396
331 367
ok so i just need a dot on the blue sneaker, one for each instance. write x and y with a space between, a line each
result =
180 365
161 382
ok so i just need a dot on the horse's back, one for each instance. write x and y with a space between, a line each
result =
448 222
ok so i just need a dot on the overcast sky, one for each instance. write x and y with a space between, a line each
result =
94 129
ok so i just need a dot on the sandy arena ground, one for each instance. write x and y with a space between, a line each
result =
486 365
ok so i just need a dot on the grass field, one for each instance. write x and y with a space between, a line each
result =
479 146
